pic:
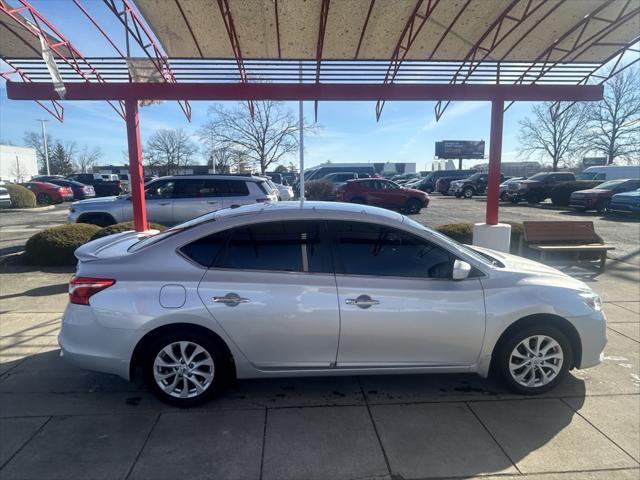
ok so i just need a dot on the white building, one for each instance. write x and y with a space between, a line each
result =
17 164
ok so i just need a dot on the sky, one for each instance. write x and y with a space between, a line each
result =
348 131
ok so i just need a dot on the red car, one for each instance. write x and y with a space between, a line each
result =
383 193
47 193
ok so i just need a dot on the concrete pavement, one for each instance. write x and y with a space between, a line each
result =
60 422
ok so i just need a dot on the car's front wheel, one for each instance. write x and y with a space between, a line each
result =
468 192
534 359
185 368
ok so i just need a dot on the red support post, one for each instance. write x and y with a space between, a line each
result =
135 166
495 154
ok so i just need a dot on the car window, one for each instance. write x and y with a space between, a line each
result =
188 188
205 250
600 176
387 185
160 189
227 187
368 184
631 185
377 250
295 246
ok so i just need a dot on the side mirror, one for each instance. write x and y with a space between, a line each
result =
461 270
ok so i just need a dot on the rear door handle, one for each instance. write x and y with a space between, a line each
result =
363 301
163 203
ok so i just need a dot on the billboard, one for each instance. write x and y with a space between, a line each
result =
460 149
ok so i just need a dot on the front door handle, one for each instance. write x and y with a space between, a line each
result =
163 203
231 299
363 301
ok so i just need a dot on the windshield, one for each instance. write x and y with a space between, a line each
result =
610 185
475 176
459 246
538 176
586 176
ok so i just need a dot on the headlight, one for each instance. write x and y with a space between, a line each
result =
593 300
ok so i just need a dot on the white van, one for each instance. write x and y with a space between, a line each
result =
610 172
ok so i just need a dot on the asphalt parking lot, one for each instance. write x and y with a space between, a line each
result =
60 422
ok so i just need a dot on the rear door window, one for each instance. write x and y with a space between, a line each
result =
226 188
160 189
296 246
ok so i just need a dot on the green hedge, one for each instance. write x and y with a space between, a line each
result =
561 193
463 233
21 197
55 246
123 227
319 190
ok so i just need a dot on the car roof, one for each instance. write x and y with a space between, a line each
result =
248 177
322 209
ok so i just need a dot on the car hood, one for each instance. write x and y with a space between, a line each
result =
532 272
628 195
415 191
593 191
98 200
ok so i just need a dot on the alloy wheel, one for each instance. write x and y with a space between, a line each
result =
468 193
536 361
183 369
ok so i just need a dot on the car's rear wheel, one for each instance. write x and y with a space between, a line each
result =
534 359
43 199
504 197
185 368
413 206
468 192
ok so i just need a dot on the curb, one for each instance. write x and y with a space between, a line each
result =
34 209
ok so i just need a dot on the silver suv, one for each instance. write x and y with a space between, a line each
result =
176 199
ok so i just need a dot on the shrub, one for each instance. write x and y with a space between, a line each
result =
319 190
21 197
55 246
561 193
123 227
463 233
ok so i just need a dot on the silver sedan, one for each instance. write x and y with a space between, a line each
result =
276 290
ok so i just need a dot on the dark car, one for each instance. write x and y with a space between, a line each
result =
443 185
428 183
102 187
383 193
476 184
47 193
80 190
599 198
538 187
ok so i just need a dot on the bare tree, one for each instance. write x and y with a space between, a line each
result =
16 170
34 140
86 159
614 122
221 159
170 149
554 132
267 138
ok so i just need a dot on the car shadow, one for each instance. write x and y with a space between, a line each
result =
39 291
478 414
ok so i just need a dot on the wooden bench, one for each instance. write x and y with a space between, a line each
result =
576 237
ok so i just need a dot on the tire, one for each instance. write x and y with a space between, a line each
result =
533 197
413 206
468 192
603 206
503 197
99 219
515 199
43 199
508 359
212 373
359 200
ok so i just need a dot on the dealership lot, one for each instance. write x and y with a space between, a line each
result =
56 418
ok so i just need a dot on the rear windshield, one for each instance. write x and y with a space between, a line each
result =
264 186
158 237
610 185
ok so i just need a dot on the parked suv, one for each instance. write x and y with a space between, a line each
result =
428 183
599 198
476 184
176 199
538 187
383 193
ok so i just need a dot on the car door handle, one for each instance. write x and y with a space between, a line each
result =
163 203
363 301
231 299
213 202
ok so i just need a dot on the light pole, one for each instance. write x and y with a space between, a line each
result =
46 147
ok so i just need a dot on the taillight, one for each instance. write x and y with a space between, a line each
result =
82 288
